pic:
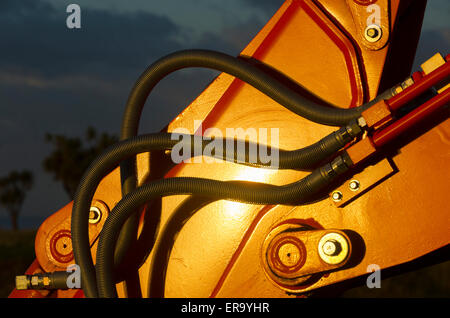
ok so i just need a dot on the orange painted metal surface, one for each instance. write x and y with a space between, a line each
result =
319 45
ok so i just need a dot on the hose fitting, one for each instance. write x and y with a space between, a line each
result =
341 164
347 133
49 281
335 168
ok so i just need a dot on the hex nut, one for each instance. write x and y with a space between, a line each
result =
22 282
373 33
341 248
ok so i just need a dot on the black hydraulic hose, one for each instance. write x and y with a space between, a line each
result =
131 147
236 67
100 167
248 192
221 62
292 100
307 158
302 159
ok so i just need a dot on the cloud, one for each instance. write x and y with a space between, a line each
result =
53 79
40 43
60 80
232 39
432 42
70 73
267 6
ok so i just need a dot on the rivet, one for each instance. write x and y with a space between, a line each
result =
337 196
354 185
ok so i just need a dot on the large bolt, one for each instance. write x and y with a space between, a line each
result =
333 248
372 33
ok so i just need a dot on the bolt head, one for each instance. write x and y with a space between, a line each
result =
362 122
331 247
336 196
354 185
373 33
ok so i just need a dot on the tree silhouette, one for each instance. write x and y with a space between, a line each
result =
72 156
12 193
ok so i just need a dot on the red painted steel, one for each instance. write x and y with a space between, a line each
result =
380 138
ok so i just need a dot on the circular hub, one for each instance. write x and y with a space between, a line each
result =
61 246
286 255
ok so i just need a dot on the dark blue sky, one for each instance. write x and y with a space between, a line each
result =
57 80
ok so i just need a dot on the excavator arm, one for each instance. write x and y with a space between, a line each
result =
354 176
